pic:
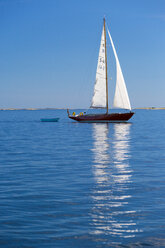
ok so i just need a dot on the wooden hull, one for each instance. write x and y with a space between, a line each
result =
114 117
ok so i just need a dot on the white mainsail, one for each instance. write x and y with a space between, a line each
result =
121 99
99 96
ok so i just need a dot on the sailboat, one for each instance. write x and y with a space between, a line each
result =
100 96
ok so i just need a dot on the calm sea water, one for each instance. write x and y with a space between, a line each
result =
71 184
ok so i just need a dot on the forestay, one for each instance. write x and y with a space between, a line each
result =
99 96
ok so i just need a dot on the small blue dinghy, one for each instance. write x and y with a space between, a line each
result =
50 120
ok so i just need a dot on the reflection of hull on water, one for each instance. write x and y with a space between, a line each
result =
114 117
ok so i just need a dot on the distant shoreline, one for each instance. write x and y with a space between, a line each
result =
31 108
152 108
4 109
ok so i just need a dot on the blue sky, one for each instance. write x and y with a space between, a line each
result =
49 49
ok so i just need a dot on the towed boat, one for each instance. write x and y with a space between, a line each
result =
50 120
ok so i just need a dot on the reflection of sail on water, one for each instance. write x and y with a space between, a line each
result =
121 152
111 213
100 150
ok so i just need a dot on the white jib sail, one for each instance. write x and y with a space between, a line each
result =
121 99
99 96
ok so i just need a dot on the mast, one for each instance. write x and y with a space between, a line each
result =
106 69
